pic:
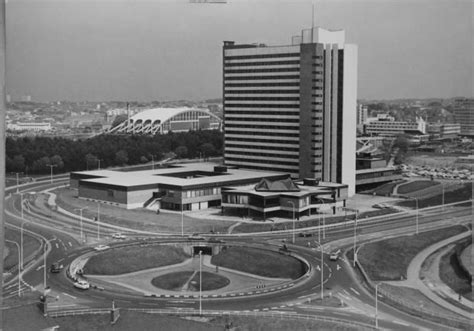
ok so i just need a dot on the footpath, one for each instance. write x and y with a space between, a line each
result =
429 289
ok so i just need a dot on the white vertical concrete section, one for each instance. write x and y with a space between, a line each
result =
349 115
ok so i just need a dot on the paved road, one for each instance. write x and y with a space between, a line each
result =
339 280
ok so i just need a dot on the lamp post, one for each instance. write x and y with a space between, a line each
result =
19 269
324 220
46 243
322 270
80 210
293 220
98 160
152 162
376 306
51 166
182 220
355 237
200 282
21 204
417 212
98 220
21 240
18 182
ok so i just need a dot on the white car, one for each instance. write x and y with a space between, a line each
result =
118 236
82 284
101 247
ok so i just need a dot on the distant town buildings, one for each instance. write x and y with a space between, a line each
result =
385 125
464 114
362 114
35 127
444 130
164 120
291 108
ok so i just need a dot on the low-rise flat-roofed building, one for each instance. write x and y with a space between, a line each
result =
444 130
386 126
283 197
190 186
30 126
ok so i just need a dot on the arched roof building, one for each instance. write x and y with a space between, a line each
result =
163 120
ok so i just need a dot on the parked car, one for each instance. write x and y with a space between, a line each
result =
119 236
82 284
101 247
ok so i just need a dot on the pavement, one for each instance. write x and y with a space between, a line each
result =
430 289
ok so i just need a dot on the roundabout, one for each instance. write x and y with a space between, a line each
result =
181 269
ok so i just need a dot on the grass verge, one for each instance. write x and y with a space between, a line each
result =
461 194
385 189
172 281
134 258
259 262
416 186
30 245
210 281
451 272
389 259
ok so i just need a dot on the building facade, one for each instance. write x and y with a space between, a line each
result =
464 114
291 108
386 126
362 114
444 130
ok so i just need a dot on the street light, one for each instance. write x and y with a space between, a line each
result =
417 212
18 182
200 282
80 210
322 270
51 166
376 306
19 269
98 220
182 219
21 204
356 211
152 162
46 243
293 220
324 220
98 160
21 240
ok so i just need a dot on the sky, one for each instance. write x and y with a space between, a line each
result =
135 50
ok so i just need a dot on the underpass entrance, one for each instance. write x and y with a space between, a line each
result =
205 250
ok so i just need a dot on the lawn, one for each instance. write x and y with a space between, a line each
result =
463 193
385 189
389 259
451 272
30 245
172 281
259 262
30 318
134 258
416 185
210 281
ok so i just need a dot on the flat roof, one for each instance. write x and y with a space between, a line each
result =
368 171
322 187
164 176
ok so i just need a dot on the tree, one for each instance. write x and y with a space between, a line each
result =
181 152
17 163
41 165
121 157
91 160
207 149
57 161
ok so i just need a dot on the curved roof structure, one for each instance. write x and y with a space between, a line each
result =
163 120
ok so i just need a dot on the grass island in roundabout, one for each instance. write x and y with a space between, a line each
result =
173 269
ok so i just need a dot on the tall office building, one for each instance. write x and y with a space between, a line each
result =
464 114
292 108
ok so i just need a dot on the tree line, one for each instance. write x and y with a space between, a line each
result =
35 155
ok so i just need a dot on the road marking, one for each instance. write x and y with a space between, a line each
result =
69 243
355 291
60 260
338 267
338 313
40 267
68 295
401 323
318 268
345 291
57 246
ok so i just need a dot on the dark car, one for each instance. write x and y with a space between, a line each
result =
56 267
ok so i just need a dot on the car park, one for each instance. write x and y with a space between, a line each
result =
82 284
101 247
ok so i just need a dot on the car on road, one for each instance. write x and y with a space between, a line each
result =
305 234
56 267
119 236
101 247
196 236
334 255
82 284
